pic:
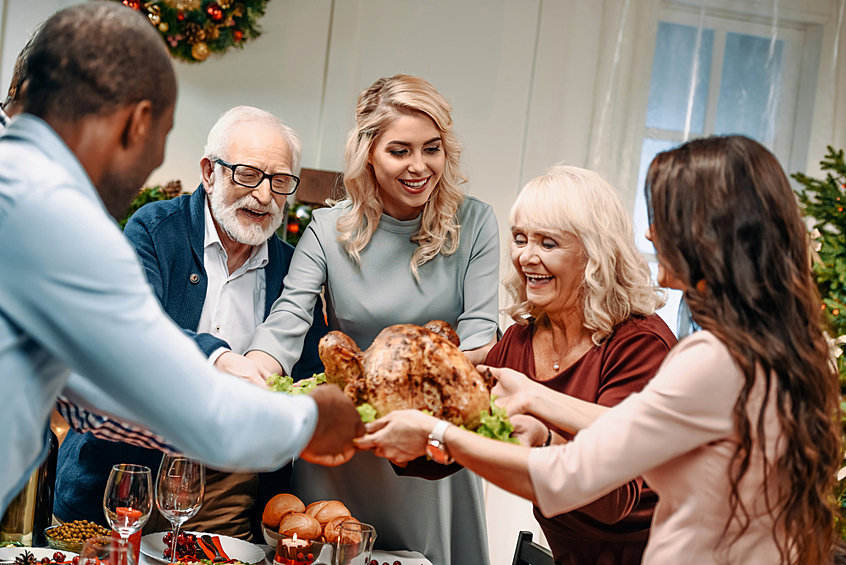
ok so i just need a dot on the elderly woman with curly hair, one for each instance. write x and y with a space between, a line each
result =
585 325
738 431
406 246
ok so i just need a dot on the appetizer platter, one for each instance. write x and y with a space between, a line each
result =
200 547
408 366
36 556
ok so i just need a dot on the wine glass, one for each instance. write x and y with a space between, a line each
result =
106 551
128 500
179 492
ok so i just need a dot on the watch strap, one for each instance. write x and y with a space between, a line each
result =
439 430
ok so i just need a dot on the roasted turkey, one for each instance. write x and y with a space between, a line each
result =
408 366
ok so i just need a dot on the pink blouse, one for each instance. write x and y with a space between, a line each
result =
678 433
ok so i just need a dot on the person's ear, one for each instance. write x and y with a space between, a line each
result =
138 125
207 171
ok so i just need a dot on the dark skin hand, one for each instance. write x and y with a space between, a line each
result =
338 423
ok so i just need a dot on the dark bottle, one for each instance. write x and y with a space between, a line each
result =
32 509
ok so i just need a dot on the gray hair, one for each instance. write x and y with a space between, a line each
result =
218 140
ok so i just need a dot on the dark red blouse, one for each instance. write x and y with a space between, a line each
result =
614 529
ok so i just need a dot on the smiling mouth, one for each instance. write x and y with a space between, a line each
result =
416 186
253 214
537 280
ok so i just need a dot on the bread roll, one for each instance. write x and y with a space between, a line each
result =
332 529
305 526
279 506
325 510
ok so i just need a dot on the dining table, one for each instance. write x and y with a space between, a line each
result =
381 557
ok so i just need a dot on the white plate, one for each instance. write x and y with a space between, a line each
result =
153 546
9 553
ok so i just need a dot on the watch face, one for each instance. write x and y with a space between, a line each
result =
437 452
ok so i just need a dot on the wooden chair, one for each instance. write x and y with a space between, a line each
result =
530 553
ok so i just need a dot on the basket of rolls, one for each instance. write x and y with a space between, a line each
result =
303 530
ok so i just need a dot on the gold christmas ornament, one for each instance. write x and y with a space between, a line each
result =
155 15
200 51
238 11
224 4
163 27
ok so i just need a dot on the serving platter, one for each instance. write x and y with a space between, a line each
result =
152 545
8 554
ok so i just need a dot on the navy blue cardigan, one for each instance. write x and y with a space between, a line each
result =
169 237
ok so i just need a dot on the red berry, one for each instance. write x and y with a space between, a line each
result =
397 563
58 556
374 562
310 556
45 560
75 560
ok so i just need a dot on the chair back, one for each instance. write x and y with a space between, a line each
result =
530 553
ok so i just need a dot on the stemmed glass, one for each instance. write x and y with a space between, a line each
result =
179 492
106 551
128 500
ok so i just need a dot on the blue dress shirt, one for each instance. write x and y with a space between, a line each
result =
73 296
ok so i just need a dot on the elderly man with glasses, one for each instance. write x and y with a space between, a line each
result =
216 266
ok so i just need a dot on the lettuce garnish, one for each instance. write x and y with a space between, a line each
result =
286 384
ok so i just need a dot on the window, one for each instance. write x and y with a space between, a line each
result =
717 75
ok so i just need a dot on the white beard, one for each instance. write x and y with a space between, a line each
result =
226 215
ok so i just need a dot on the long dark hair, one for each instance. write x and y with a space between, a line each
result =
722 211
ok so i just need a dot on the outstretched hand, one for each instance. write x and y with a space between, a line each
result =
338 423
528 430
400 436
513 390
242 368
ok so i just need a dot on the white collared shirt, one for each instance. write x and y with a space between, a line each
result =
234 304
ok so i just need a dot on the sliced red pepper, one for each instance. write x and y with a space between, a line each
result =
209 553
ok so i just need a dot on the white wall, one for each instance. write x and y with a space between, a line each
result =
527 79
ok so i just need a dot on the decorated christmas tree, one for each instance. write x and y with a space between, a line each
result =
823 201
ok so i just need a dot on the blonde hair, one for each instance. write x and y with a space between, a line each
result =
378 107
616 283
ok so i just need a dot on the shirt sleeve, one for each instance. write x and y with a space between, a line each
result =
85 421
686 405
631 362
72 282
477 324
283 332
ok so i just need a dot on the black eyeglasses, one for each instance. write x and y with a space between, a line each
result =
251 177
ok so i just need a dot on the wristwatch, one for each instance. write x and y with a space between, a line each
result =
436 448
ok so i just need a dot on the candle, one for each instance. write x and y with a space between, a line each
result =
130 516
293 551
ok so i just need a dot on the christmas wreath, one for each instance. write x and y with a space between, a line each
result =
194 29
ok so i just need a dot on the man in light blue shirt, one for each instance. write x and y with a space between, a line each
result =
72 292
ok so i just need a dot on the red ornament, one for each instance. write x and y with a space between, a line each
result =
215 11
134 4
180 16
238 35
293 228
